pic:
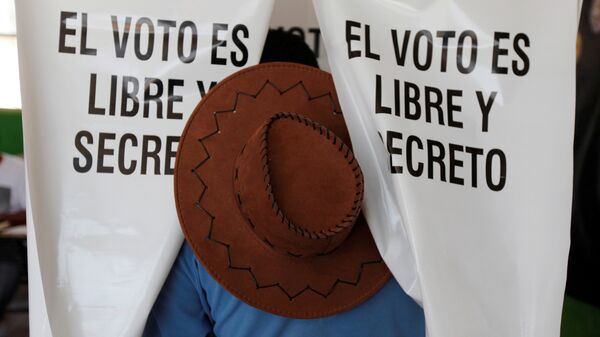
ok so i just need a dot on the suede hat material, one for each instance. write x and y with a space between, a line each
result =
269 194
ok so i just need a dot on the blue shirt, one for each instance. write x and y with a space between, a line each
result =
192 304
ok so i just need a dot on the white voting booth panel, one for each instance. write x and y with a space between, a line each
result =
461 114
107 87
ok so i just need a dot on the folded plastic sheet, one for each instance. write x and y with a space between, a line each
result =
461 114
107 87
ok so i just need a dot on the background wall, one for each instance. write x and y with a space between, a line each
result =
11 131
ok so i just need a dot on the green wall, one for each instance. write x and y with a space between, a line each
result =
11 131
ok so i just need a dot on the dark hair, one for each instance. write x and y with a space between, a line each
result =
281 46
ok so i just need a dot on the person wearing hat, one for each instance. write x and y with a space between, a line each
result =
269 195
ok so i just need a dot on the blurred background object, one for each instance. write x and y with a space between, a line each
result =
10 94
581 314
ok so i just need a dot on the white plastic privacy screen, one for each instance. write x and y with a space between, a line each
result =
107 87
461 114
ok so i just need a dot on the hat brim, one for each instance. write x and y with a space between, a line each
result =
216 230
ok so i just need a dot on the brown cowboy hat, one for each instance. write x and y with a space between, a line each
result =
269 195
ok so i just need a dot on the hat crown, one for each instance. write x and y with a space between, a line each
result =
298 186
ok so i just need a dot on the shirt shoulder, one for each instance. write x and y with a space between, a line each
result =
390 312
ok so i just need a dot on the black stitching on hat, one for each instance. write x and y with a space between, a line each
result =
265 160
268 242
250 222
292 254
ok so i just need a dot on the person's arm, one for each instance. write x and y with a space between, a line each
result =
17 218
179 309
